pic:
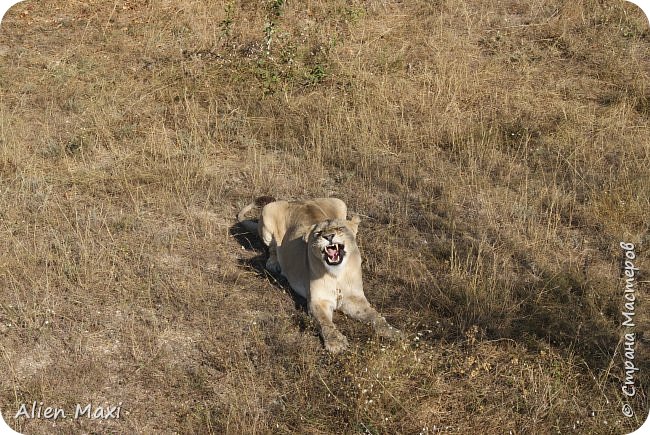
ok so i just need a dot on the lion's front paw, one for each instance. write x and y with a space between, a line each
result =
387 331
336 343
272 265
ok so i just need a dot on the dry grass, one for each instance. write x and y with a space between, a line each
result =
499 150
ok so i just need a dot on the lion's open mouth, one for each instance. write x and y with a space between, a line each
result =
334 254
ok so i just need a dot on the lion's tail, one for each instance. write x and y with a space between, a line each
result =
249 225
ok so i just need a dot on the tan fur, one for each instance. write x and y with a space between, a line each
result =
297 235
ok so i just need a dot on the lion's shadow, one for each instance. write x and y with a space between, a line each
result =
252 243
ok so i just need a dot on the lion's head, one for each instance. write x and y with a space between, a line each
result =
333 240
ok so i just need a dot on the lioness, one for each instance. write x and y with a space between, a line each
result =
313 245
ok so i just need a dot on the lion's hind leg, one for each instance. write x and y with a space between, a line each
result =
272 264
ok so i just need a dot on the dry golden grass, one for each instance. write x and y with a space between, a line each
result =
499 150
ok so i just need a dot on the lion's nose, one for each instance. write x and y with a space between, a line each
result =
328 237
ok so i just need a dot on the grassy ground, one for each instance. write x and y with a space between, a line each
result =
498 149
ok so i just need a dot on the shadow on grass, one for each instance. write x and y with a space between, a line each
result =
562 309
535 306
252 243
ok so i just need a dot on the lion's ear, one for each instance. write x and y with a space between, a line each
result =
305 236
353 223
